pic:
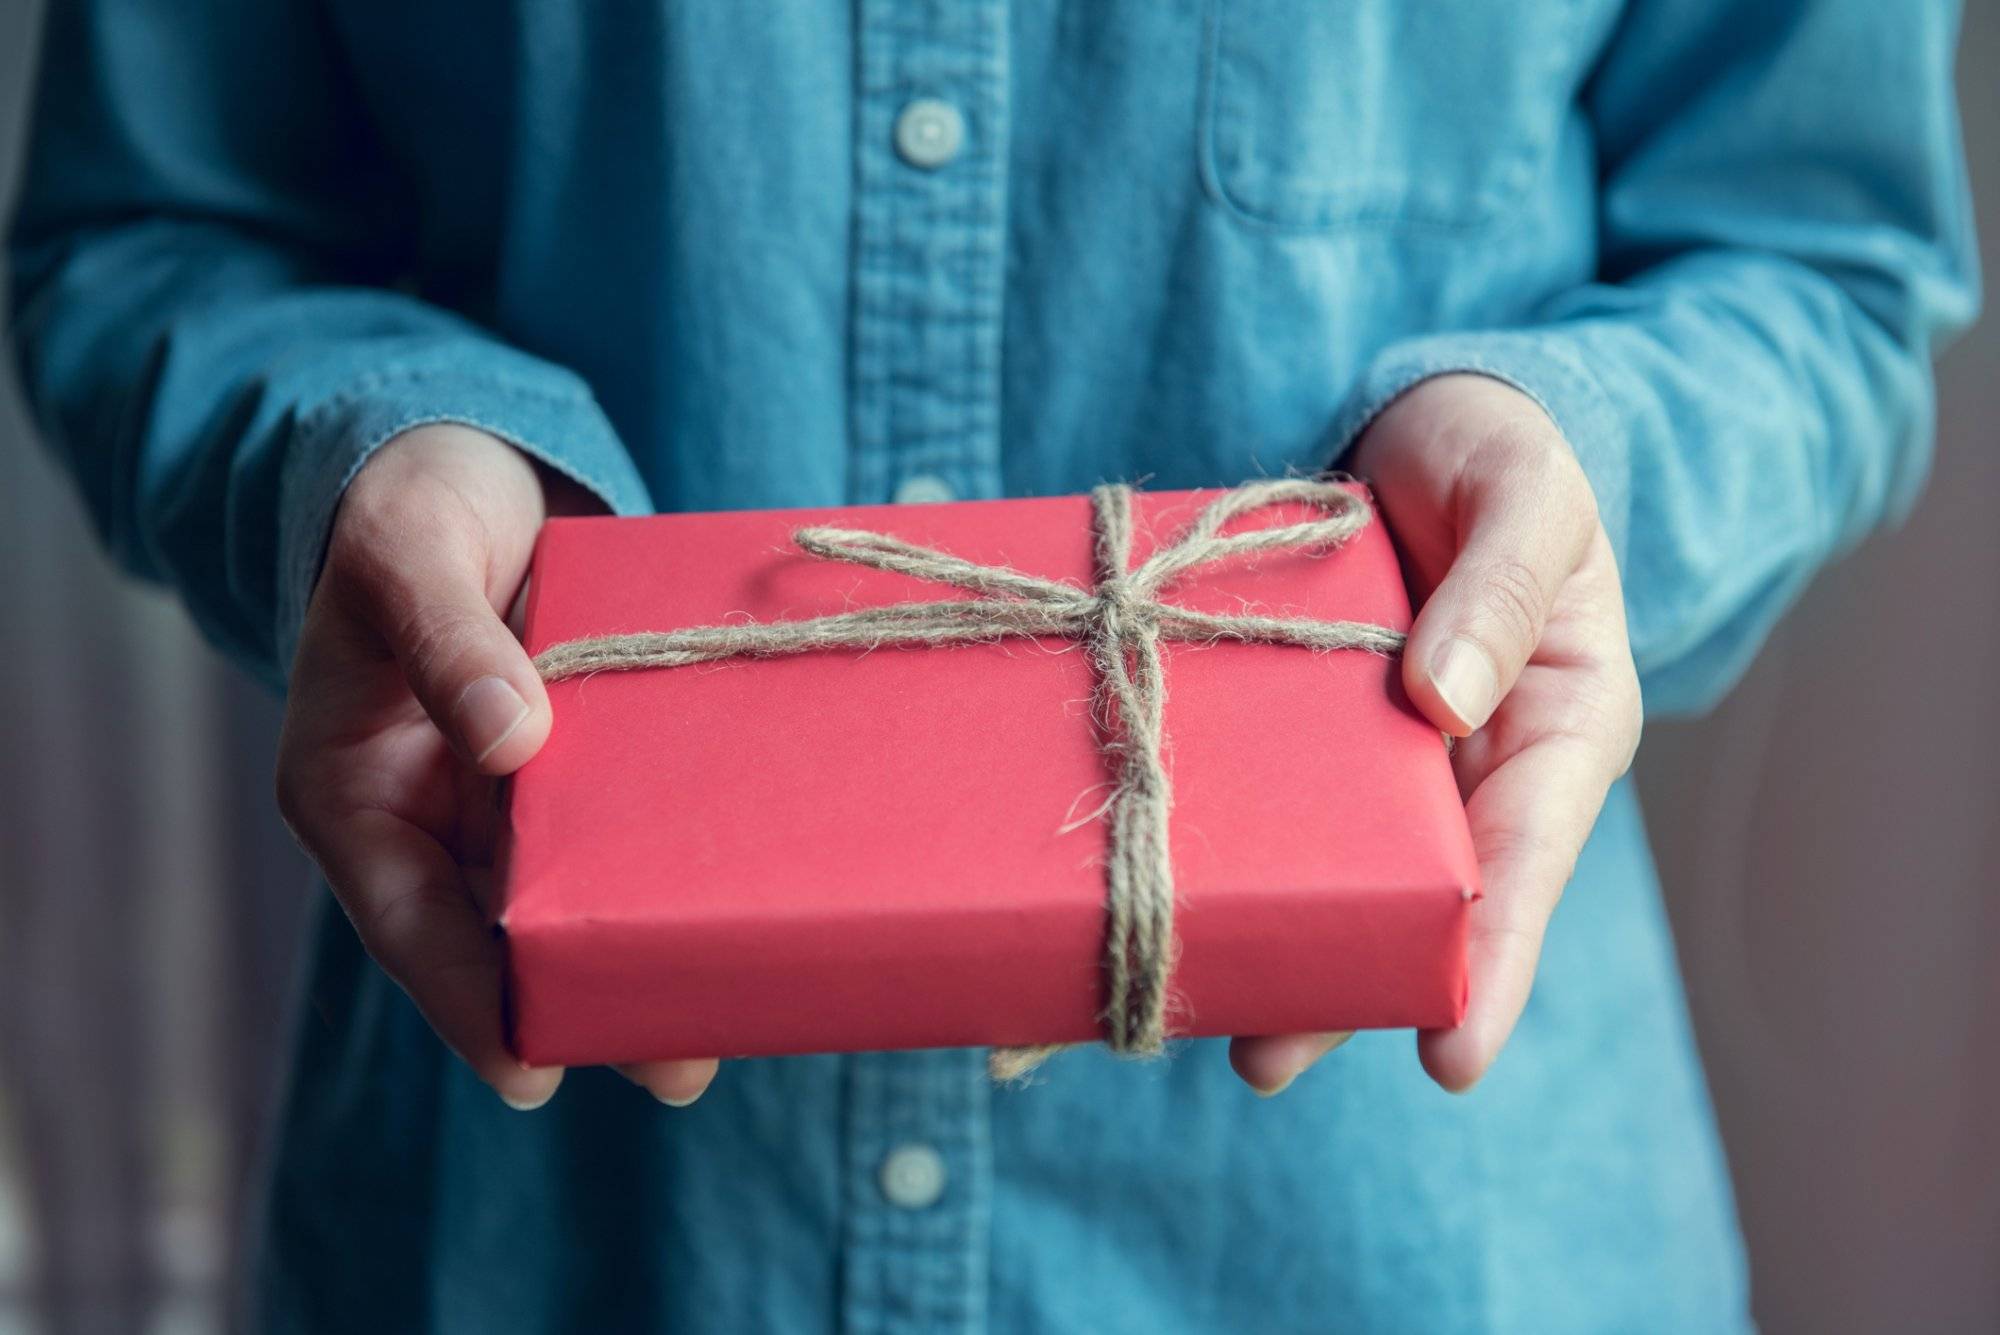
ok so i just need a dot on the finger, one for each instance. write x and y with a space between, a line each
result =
1525 517
1529 821
1270 1064
404 895
675 1083
462 663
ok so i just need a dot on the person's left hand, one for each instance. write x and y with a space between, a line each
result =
1520 649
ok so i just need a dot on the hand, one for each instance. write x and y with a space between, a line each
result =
409 697
1521 650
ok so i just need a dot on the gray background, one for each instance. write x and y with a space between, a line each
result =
1830 838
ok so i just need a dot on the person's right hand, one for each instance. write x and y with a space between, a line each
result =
409 698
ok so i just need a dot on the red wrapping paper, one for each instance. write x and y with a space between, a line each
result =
846 851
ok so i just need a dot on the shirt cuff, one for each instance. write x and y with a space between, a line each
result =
540 409
1545 365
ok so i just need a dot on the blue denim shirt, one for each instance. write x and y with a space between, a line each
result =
713 255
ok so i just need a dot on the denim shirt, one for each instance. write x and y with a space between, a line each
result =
714 255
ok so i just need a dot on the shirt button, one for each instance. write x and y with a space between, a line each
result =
924 489
929 132
912 1176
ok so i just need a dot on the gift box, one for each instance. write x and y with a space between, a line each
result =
901 846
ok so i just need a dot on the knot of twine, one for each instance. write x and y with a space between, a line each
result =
1121 622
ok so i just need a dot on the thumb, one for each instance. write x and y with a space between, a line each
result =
464 665
1525 515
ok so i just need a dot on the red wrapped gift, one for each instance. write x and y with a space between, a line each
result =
902 846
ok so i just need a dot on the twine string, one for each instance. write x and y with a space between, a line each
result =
1121 621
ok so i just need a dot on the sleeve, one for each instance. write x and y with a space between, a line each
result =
210 313
1785 238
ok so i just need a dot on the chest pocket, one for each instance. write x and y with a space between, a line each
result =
1318 113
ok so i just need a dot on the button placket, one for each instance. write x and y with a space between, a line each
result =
927 287
929 246
918 1192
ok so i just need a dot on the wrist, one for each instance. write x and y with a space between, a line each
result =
1453 414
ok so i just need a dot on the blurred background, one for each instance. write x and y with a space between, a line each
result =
1829 837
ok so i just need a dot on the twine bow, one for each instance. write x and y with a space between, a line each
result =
1121 621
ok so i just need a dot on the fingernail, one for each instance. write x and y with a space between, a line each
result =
1463 675
527 1105
488 711
678 1103
1327 1043
1276 1089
